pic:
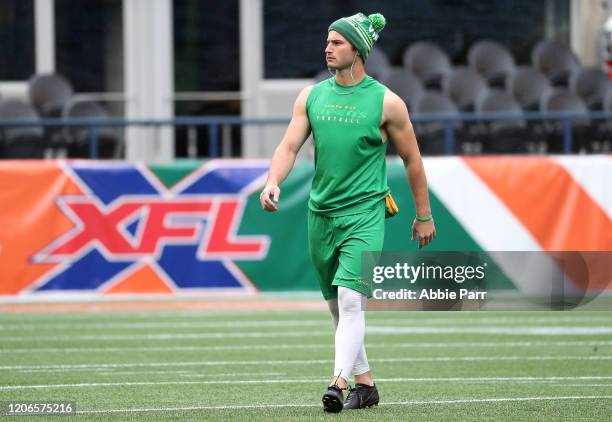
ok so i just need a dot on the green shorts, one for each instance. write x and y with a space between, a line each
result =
336 244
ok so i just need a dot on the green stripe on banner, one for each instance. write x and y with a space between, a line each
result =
451 236
171 174
450 233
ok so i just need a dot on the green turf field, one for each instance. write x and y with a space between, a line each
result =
275 365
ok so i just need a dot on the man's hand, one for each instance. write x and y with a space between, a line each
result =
269 197
423 231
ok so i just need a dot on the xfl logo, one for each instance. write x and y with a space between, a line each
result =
126 218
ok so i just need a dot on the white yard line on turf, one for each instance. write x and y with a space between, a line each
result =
581 385
296 405
66 367
372 330
485 321
169 336
158 325
523 330
191 374
298 346
296 380
224 314
228 374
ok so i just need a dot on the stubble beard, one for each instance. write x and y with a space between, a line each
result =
339 68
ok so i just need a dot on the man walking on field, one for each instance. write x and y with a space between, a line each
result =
351 116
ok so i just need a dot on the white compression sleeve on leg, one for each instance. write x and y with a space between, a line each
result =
351 330
361 365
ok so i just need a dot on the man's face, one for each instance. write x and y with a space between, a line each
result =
339 53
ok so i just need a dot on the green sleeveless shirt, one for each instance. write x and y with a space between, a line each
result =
350 169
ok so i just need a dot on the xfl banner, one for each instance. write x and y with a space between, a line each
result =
128 228
117 228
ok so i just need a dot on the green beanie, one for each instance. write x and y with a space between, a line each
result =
360 30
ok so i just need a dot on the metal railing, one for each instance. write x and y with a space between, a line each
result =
567 119
214 123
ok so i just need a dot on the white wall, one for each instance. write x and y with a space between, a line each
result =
149 77
586 21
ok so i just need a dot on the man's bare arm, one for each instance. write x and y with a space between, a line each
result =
400 130
284 155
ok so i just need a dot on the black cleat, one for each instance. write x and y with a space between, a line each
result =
333 400
362 396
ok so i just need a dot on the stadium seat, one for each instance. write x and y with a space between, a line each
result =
49 93
492 60
430 135
21 141
503 135
405 84
79 137
428 62
607 101
602 139
562 100
377 63
592 85
556 61
528 85
464 86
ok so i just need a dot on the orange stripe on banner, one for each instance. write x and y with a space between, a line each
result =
29 218
555 209
143 280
